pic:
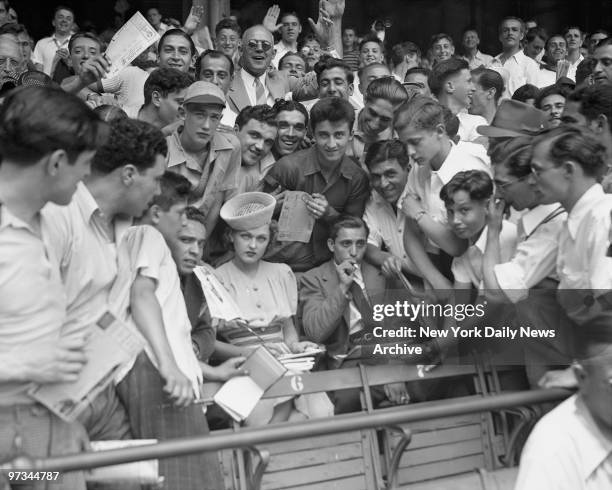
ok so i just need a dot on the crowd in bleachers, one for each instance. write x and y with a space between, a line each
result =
435 174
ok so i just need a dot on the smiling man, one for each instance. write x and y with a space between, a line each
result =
45 54
292 123
574 38
256 128
389 165
451 82
336 185
290 29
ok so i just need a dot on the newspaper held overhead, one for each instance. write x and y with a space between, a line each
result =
133 38
295 223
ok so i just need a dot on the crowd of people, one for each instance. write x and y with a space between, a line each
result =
428 175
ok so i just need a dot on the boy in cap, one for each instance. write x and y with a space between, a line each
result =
208 158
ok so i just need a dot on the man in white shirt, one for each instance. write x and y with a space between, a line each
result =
84 235
571 447
471 53
47 50
466 197
388 165
451 82
520 68
290 29
43 160
574 39
421 125
568 163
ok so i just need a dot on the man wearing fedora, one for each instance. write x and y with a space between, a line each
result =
208 158
513 118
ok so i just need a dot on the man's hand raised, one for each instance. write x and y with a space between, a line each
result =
93 69
271 19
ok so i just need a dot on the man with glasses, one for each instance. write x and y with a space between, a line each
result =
529 278
11 60
568 164
254 84
228 38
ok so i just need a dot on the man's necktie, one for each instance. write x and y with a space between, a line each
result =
260 93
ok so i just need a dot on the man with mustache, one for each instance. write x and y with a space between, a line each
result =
520 68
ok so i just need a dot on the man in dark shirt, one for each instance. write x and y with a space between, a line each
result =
335 184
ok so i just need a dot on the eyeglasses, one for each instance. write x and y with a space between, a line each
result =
504 185
254 45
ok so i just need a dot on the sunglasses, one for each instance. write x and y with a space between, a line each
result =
254 45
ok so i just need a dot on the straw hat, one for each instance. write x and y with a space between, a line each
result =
248 210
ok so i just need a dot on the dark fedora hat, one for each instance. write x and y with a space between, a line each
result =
514 118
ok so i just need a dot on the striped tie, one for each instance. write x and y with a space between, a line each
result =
260 93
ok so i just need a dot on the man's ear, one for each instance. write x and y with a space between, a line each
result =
449 87
156 98
54 162
127 174
351 88
491 93
330 245
181 112
154 212
602 125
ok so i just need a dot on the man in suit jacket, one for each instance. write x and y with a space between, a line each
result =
336 301
254 84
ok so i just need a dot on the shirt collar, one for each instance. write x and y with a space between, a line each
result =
446 171
178 155
9 219
582 207
311 165
85 202
481 243
249 80
533 217
595 447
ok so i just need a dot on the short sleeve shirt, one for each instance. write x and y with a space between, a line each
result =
217 174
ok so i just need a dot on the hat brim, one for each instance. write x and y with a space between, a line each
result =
493 132
205 99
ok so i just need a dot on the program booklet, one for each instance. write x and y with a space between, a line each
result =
239 395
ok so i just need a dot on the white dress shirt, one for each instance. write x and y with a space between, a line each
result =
426 183
520 69
387 226
566 451
45 50
468 124
467 268
536 253
249 84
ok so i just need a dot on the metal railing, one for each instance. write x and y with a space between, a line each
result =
286 431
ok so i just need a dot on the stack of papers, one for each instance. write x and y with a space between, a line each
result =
301 362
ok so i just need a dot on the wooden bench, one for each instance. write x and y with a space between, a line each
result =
352 460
